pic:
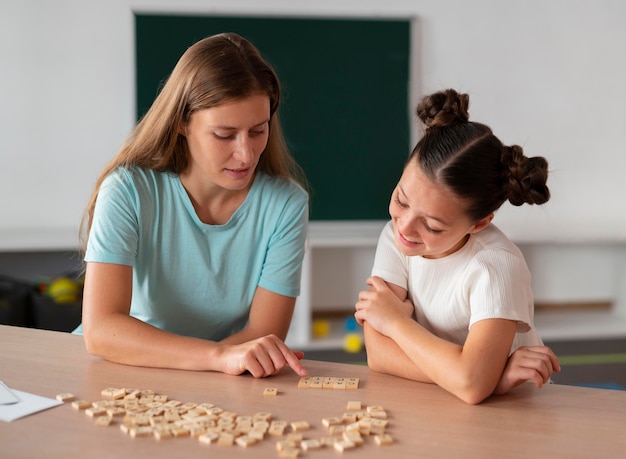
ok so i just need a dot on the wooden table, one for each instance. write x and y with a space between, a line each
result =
425 421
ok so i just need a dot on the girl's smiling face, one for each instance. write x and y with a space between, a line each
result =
428 219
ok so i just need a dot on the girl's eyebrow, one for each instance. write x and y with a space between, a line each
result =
431 217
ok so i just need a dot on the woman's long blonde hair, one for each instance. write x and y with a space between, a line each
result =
213 71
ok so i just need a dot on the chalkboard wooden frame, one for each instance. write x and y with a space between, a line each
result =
345 108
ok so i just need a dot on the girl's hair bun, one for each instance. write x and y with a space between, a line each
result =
526 176
444 108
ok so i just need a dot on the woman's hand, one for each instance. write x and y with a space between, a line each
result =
380 306
529 363
265 356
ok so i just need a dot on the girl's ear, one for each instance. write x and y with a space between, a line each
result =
481 224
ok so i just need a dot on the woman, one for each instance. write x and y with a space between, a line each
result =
450 296
196 228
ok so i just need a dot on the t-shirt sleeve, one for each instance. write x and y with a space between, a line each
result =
389 264
501 289
282 268
113 236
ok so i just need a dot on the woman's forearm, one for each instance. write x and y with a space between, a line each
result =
123 339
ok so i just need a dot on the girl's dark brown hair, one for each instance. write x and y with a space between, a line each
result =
471 161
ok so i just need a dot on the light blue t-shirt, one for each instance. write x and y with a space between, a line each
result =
191 278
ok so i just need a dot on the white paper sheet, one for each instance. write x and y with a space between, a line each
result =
27 404
7 397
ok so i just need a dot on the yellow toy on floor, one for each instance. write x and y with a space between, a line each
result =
64 290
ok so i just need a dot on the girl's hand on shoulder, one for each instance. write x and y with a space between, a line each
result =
262 357
380 306
529 363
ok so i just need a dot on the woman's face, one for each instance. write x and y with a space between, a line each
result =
428 219
225 142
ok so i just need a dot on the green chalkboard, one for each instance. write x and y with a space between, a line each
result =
345 107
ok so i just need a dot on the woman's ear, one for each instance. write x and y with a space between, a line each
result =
481 224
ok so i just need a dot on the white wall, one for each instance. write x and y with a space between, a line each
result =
546 74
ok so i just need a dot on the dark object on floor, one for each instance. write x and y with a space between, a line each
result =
14 302
51 315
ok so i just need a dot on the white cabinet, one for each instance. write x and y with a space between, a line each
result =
338 259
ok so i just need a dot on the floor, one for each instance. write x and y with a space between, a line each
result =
592 363
589 363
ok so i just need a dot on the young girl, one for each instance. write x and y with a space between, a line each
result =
196 229
450 296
